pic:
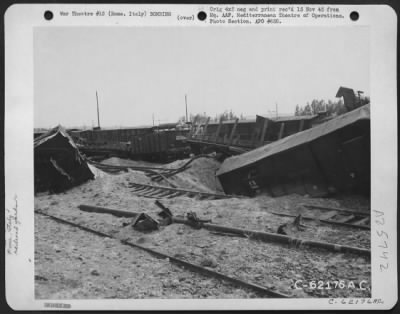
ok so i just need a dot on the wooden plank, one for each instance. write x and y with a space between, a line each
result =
225 139
104 210
263 132
282 129
253 137
231 136
205 129
363 221
337 209
301 125
218 130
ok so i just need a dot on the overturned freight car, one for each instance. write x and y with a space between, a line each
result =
238 136
58 163
331 157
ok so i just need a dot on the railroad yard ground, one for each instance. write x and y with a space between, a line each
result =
71 263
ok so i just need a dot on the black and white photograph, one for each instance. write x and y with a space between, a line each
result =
208 161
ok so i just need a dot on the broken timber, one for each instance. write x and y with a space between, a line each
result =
177 261
251 234
138 168
104 210
326 221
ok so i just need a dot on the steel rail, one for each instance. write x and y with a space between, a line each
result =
274 237
338 209
191 266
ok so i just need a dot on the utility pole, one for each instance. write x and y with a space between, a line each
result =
276 109
153 119
186 108
98 115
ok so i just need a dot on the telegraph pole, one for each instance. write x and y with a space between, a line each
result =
98 115
186 107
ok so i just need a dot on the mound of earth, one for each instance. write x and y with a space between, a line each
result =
199 176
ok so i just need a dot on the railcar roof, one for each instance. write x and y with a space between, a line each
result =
276 119
236 162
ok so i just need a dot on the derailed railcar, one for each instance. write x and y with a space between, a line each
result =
58 162
251 133
331 157
159 143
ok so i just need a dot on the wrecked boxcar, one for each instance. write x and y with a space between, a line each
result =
331 157
58 162
352 99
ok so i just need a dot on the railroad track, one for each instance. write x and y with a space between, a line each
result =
343 216
158 192
159 176
245 284
174 260
335 216
250 234
154 173
171 172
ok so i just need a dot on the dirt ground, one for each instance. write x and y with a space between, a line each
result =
72 263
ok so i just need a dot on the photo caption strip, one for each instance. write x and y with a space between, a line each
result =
233 15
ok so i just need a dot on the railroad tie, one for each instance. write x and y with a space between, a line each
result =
142 189
171 192
148 191
362 221
344 218
174 194
156 193
163 194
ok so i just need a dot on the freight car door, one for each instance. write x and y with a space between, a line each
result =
356 152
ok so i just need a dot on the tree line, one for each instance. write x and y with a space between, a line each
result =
330 108
316 106
202 117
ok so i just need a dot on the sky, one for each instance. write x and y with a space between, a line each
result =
141 72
